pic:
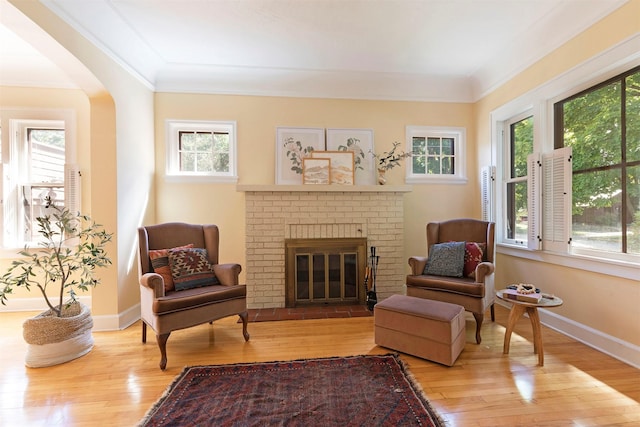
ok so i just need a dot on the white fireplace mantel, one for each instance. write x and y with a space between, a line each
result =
324 188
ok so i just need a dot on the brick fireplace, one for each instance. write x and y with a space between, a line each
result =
278 212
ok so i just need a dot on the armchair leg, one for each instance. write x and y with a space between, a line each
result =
493 313
245 320
144 332
479 318
162 343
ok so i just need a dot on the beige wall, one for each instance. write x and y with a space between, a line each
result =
605 303
257 119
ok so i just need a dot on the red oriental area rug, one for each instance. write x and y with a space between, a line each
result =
336 391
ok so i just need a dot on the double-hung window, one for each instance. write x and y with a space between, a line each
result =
438 155
602 126
36 172
518 178
202 150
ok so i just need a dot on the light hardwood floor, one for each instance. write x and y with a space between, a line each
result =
119 380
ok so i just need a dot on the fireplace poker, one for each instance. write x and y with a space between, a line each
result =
375 272
367 274
372 298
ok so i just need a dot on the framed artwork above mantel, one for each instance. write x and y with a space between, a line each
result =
316 171
293 144
360 142
340 165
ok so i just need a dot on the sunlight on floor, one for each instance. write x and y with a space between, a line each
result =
524 383
133 387
13 392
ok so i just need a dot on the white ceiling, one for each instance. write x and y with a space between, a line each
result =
427 50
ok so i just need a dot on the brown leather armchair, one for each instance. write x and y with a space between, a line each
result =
166 310
474 294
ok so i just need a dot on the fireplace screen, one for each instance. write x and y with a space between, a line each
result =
325 271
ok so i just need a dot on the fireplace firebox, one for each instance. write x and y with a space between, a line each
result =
322 272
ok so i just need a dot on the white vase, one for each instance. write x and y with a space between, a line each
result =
52 340
382 179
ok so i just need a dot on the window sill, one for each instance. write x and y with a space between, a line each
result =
11 253
205 179
623 269
436 180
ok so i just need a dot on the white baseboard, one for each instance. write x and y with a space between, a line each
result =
117 322
622 350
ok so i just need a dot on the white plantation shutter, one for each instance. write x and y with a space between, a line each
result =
72 188
534 171
487 182
11 209
556 228
4 212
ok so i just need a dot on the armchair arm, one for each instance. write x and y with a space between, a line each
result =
154 282
417 264
227 274
482 270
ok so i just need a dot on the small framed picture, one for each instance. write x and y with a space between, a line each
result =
292 146
360 142
341 166
316 171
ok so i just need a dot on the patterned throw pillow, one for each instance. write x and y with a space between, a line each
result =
446 259
160 263
473 255
191 268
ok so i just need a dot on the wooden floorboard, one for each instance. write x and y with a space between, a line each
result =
119 380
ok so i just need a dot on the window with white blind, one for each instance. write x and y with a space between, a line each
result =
536 190
582 197
37 170
583 169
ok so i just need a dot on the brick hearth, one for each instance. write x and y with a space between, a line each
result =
275 213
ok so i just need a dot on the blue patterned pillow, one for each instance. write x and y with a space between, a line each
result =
190 268
446 259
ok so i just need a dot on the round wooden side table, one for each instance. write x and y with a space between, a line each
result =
518 308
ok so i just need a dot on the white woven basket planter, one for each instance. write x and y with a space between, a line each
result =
53 340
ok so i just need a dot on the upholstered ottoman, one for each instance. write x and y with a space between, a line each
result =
432 330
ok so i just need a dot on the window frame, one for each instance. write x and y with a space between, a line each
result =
14 124
460 163
617 60
173 130
508 157
558 140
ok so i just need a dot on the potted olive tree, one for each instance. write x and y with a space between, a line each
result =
72 246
